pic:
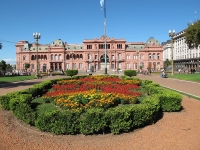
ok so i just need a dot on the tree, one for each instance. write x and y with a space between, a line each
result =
3 66
27 65
130 73
71 72
9 67
192 34
167 63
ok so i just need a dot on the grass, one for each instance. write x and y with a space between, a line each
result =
188 95
188 77
41 106
10 78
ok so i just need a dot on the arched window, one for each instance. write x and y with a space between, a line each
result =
135 66
89 56
59 57
149 55
68 57
135 56
77 56
128 66
24 57
81 56
55 57
32 57
128 56
51 56
141 56
142 64
158 56
154 56
119 56
45 57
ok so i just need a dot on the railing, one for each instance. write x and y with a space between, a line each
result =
56 60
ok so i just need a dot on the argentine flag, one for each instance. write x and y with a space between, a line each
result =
101 3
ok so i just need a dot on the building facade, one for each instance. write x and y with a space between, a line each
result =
90 55
184 58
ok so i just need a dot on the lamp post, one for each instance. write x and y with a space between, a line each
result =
171 34
37 37
138 66
103 2
1 45
72 55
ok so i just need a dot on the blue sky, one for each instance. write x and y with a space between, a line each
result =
76 20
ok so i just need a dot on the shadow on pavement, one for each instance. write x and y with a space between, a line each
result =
22 83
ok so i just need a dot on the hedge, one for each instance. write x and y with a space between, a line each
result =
123 118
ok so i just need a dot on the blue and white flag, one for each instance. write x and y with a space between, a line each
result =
101 3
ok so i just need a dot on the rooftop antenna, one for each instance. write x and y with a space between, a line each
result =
195 15
191 23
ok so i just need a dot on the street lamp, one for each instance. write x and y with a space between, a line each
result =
171 34
72 56
1 46
37 37
137 52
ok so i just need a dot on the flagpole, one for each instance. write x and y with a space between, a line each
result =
105 36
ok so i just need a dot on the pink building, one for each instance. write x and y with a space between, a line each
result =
60 55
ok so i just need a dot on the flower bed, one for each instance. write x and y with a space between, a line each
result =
96 91
90 105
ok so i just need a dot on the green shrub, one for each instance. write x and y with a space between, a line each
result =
118 119
71 72
33 91
92 121
4 101
58 122
130 73
145 82
170 101
23 112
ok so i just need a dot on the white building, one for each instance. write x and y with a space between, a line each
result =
184 58
167 51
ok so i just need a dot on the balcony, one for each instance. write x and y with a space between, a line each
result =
90 60
56 60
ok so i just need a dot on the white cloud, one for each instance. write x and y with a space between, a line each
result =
10 61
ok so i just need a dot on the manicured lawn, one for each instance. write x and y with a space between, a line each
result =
9 78
41 106
189 77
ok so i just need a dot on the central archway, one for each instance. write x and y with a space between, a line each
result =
102 62
102 58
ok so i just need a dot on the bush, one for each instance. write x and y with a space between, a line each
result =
92 121
118 120
23 112
71 72
170 101
4 101
130 73
57 122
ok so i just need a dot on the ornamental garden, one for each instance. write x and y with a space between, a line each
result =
92 104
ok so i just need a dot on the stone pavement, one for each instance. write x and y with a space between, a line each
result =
187 87
17 86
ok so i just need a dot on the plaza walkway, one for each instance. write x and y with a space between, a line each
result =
187 87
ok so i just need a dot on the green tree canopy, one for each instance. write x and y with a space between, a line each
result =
192 34
167 63
3 66
9 67
27 65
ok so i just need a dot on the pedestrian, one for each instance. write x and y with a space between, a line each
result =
149 71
